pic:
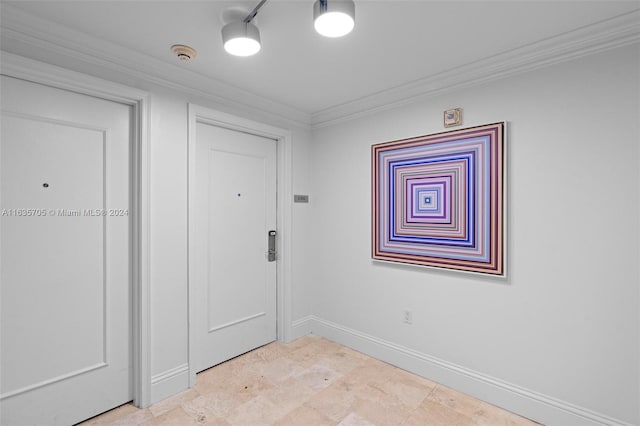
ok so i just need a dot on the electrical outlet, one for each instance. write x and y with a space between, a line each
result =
407 317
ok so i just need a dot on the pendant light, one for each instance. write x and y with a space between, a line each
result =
331 18
334 18
242 38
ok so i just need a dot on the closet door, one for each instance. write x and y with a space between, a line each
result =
65 277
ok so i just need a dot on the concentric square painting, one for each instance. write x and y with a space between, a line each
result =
439 200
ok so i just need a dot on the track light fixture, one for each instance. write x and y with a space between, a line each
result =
331 18
334 18
242 38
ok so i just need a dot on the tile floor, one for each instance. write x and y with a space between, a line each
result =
312 381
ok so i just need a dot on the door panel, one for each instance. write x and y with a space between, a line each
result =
236 207
38 240
65 280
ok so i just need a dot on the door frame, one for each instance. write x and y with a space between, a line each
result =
283 138
12 65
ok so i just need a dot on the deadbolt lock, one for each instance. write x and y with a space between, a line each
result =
271 253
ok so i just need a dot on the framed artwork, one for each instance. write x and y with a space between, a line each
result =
439 200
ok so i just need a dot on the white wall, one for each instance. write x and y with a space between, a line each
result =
565 324
168 218
169 328
168 222
563 328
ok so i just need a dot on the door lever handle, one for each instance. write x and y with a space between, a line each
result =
271 253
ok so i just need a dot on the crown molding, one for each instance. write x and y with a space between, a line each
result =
609 34
28 35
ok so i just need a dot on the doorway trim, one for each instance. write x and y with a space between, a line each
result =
39 72
283 138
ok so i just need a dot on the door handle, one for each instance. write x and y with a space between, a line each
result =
271 253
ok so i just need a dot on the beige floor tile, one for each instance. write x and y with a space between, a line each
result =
338 399
376 363
310 353
416 418
455 400
409 394
215 422
305 416
216 404
301 342
368 373
305 356
382 411
174 417
204 387
253 384
247 365
490 415
327 346
170 403
334 410
410 378
373 392
352 419
349 384
289 395
341 362
310 382
353 353
137 418
258 411
244 380
434 414
266 353
281 369
317 376
335 401
219 372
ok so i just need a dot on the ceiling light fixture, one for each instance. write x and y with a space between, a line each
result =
242 38
334 18
331 18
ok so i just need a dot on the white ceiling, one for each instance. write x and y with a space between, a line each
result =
393 44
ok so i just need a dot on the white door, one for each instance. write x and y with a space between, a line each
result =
235 283
65 281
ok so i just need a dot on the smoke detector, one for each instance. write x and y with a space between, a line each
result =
184 53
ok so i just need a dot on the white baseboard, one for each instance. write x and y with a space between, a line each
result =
176 380
533 405
301 327
169 383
